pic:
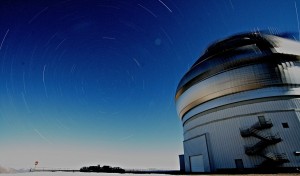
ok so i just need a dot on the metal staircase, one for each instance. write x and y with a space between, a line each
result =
255 130
246 132
273 159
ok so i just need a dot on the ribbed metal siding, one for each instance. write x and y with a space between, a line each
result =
239 97
290 136
225 141
235 112
233 81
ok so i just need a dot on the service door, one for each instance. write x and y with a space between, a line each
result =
197 164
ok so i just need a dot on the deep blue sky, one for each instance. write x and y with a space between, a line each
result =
93 82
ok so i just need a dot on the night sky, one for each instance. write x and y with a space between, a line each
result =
93 82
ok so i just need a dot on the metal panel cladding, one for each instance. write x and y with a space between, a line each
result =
238 64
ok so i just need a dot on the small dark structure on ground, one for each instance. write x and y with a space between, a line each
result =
98 168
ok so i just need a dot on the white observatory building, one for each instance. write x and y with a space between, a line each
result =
240 105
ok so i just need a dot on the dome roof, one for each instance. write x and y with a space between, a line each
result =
260 51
